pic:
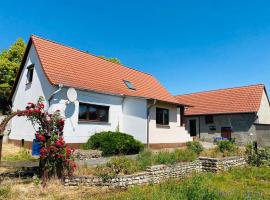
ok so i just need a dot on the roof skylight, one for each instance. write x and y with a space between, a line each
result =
129 85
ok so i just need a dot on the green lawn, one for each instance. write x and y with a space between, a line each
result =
242 183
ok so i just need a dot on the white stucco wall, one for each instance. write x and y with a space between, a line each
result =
172 134
264 111
79 132
135 118
24 93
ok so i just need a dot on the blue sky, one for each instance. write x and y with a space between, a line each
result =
188 45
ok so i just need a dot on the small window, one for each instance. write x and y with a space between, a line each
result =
94 113
162 116
129 85
30 72
209 119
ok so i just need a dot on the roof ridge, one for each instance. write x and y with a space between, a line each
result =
86 52
230 88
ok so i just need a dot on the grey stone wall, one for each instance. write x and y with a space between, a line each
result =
158 173
217 164
263 134
86 154
241 125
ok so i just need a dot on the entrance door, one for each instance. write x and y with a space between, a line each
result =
192 127
226 132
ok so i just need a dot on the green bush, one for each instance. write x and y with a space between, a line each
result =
122 165
258 157
165 157
145 159
179 155
226 146
185 155
195 146
114 143
104 172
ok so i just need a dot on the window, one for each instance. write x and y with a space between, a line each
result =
209 119
94 113
162 116
30 72
129 85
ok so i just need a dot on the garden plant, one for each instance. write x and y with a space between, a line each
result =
56 158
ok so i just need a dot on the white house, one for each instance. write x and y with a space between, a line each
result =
110 96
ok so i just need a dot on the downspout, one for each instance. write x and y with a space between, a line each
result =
60 86
122 123
199 127
148 121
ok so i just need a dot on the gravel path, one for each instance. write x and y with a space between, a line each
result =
99 161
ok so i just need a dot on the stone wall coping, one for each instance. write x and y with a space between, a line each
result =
221 159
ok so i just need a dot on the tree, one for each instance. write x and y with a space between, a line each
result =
115 60
10 60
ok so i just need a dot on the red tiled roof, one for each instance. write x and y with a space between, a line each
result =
232 100
78 69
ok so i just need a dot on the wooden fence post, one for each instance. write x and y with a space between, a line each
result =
1 141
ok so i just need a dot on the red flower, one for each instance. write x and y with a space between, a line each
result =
60 142
68 151
31 105
53 148
61 122
43 151
37 111
41 105
40 137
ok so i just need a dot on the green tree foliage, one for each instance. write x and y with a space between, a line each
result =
10 60
115 60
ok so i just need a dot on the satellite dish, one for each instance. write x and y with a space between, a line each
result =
71 94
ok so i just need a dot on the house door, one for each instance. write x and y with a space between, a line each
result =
192 127
226 132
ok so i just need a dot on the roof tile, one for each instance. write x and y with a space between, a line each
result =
231 100
78 69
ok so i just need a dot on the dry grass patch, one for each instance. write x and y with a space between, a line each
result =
215 153
10 189
85 170
11 152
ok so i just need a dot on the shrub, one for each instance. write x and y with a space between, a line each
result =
115 166
185 155
145 159
226 145
123 165
104 172
179 155
56 157
114 143
165 157
258 157
195 146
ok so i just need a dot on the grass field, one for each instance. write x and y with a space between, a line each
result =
242 183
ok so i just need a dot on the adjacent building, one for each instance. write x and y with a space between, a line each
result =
228 113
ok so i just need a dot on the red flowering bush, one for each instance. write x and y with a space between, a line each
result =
55 155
